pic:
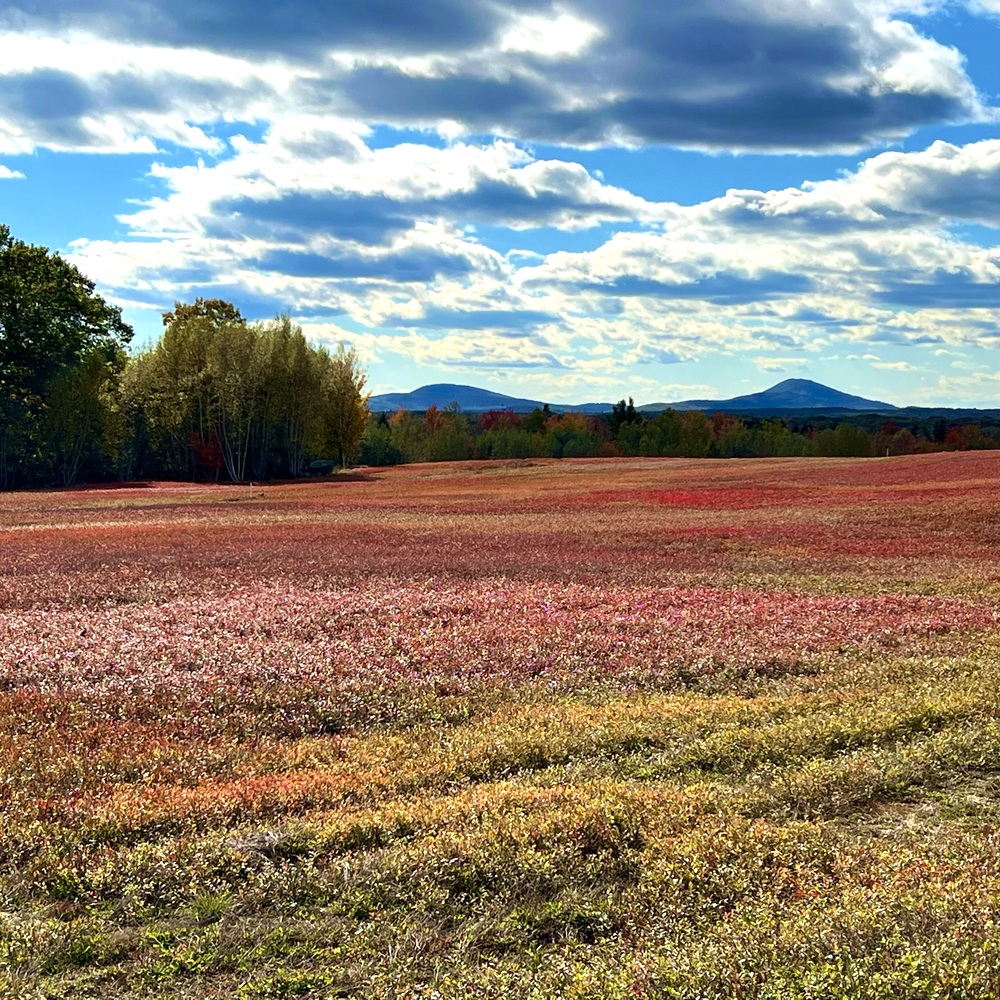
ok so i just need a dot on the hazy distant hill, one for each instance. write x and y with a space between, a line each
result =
792 394
469 398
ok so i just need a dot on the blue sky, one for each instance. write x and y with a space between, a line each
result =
568 201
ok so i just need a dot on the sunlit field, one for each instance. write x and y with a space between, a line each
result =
594 729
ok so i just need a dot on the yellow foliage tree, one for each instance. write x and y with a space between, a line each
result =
343 403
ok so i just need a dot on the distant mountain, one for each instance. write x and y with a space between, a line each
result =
792 394
469 399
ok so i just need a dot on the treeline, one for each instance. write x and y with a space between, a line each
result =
220 397
215 398
447 435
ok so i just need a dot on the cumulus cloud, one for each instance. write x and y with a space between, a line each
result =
891 190
302 28
316 221
888 255
82 92
706 74
310 176
943 181
876 241
958 289
6 174
698 75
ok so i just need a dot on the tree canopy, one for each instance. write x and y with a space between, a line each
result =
50 317
60 343
254 399
216 395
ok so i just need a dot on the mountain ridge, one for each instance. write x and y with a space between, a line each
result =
790 394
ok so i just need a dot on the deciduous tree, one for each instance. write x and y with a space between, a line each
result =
343 403
51 320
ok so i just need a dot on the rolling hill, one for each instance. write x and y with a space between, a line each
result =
442 394
792 394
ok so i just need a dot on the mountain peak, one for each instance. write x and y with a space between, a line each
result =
791 394
442 394
797 383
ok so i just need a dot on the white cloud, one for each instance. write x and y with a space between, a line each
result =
6 174
325 164
83 92
987 7
348 237
865 255
941 182
892 190
780 364
846 73
981 389
549 37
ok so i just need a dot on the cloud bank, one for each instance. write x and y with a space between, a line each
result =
699 74
344 236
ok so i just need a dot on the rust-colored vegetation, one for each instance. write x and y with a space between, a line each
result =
595 729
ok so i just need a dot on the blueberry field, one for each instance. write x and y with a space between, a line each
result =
595 729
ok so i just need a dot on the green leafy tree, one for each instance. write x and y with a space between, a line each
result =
510 442
696 434
535 421
731 437
662 435
774 438
223 393
78 420
238 400
183 402
629 438
376 443
450 440
291 390
51 320
128 431
572 435
408 434
845 441
903 442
